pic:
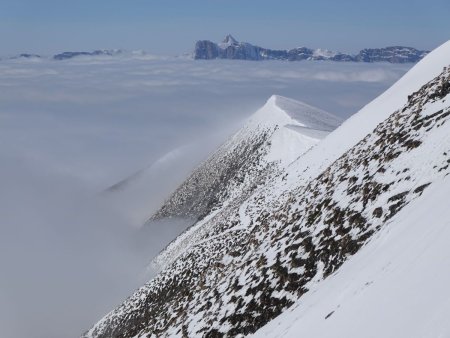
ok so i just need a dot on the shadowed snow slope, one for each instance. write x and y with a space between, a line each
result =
282 237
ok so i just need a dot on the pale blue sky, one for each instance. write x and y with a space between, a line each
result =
172 26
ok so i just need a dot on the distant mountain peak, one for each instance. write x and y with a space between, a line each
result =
229 39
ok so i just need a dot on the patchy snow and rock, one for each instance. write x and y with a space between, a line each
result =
393 287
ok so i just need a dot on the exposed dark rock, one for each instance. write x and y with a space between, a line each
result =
329 315
378 212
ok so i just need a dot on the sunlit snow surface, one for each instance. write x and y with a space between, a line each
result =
70 129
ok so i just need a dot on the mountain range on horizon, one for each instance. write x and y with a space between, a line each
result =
304 224
230 48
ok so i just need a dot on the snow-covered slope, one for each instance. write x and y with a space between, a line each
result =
254 257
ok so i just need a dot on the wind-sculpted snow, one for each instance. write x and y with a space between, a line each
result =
260 255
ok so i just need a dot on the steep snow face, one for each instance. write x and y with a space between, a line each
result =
262 253
283 110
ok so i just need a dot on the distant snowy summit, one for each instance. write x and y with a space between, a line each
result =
230 48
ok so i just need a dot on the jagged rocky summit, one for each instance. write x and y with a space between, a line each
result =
278 224
230 48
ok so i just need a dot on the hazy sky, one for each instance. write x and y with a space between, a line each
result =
172 26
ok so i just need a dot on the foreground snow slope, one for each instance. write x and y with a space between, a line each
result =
396 286
261 255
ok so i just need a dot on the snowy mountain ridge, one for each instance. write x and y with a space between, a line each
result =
248 153
261 250
281 131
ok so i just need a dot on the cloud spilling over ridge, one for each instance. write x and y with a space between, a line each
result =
70 129
60 249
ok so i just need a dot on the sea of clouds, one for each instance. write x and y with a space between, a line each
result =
71 129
